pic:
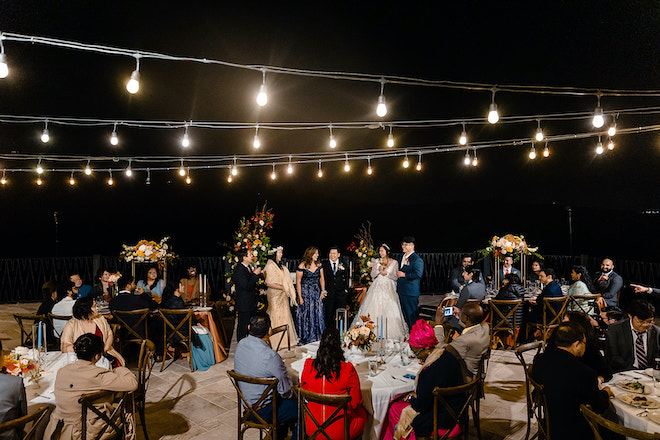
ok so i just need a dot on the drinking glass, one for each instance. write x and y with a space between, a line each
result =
373 367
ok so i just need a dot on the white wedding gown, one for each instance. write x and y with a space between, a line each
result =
383 300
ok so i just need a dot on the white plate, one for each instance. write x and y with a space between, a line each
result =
202 309
622 385
638 401
654 416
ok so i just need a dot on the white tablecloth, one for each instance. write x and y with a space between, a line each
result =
628 413
378 391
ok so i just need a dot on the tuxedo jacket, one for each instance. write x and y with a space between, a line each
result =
245 282
335 284
513 270
620 340
409 285
609 288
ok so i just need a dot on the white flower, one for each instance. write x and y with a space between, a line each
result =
369 264
148 252
24 361
261 222
364 330
239 235
142 247
165 246
255 253
340 267
263 248
21 351
360 254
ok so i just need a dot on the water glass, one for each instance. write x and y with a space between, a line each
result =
373 367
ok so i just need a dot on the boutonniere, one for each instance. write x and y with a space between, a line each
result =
340 266
406 262
606 277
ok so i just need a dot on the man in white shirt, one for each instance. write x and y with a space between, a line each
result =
507 267
63 308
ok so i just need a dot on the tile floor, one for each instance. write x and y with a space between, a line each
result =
202 405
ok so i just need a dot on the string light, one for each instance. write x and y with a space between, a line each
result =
612 130
598 120
610 144
406 163
419 162
148 181
370 171
234 170
44 135
599 146
185 140
333 142
493 115
188 179
4 69
110 180
129 171
262 96
381 108
273 175
546 151
320 173
230 179
72 180
88 168
114 140
539 132
475 161
467 160
133 84
289 168
182 171
40 169
390 138
347 166
3 180
532 152
39 181
256 143
463 139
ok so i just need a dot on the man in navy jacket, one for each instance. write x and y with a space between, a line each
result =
410 273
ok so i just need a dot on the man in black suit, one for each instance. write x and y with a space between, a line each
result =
568 383
634 342
608 283
456 280
245 280
336 283
127 301
507 268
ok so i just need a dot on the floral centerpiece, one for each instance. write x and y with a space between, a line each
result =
361 335
17 362
509 245
148 251
251 235
363 248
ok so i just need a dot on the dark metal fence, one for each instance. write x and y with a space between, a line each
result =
21 278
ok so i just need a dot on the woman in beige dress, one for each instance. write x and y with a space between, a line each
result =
281 294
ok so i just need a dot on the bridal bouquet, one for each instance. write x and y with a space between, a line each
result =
361 335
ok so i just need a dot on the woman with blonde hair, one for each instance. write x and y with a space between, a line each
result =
281 294
310 286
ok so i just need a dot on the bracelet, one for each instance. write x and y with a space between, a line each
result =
324 291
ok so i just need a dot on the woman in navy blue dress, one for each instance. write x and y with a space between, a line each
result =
310 286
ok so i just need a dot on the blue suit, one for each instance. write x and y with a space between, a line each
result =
408 287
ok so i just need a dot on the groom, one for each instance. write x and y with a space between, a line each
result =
410 273
336 283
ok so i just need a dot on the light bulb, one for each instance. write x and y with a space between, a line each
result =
72 181
610 145
599 119
333 142
110 181
599 148
44 136
185 140
133 84
532 153
347 167
289 169
419 166
88 170
546 152
370 171
129 172
4 70
463 139
612 130
182 172
539 135
234 170
262 97
229 179
320 173
493 115
381 109
39 181
406 164
3 180
475 162
40 169
188 180
466 160
390 140
256 143
114 140
273 176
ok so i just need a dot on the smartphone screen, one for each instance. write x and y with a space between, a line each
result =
448 311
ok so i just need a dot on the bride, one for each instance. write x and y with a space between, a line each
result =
381 298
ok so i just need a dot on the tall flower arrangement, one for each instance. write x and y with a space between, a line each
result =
509 245
363 248
148 251
251 235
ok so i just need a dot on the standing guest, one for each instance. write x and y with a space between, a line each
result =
507 267
336 283
255 358
86 319
568 383
330 374
81 290
49 297
409 275
245 279
310 285
551 289
191 283
537 267
608 283
456 280
472 290
153 285
592 356
64 307
634 342
84 377
281 294
13 403
101 286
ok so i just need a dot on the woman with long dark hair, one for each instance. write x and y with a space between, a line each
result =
582 285
330 374
310 286
280 293
153 284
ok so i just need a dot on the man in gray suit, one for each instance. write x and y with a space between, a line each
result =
12 403
634 342
472 290
474 340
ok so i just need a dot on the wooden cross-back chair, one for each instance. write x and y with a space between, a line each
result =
145 365
52 318
170 331
554 308
583 303
529 388
248 418
113 422
26 334
337 402
595 421
284 331
505 318
135 324
36 418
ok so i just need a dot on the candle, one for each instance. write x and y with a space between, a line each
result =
45 338
39 337
341 327
381 326
386 334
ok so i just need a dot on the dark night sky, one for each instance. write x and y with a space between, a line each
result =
448 207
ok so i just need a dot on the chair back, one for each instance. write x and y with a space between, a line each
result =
145 365
539 407
520 351
284 331
111 423
441 399
20 422
134 322
26 334
595 421
247 414
504 317
52 318
338 402
426 312
554 308
583 303
172 328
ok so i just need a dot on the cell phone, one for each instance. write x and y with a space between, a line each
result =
409 376
448 311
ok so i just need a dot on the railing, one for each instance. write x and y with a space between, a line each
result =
21 278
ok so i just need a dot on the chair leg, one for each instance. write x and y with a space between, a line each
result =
144 421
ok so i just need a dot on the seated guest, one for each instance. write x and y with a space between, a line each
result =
537 266
592 356
49 297
440 368
568 383
64 307
473 342
101 288
634 342
507 267
255 358
126 300
511 290
456 280
582 285
473 289
172 297
84 377
551 289
330 374
79 289
153 285
86 319
191 284
13 403
608 283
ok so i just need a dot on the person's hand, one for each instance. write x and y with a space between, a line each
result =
300 301
609 392
641 289
400 274
139 290
257 271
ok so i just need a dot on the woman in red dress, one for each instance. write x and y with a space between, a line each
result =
330 374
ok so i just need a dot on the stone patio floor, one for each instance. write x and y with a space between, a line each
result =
203 405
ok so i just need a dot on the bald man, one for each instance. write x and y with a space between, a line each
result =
608 283
473 341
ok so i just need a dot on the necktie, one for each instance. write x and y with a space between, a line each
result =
642 363
334 268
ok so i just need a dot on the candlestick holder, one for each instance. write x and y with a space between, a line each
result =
381 351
